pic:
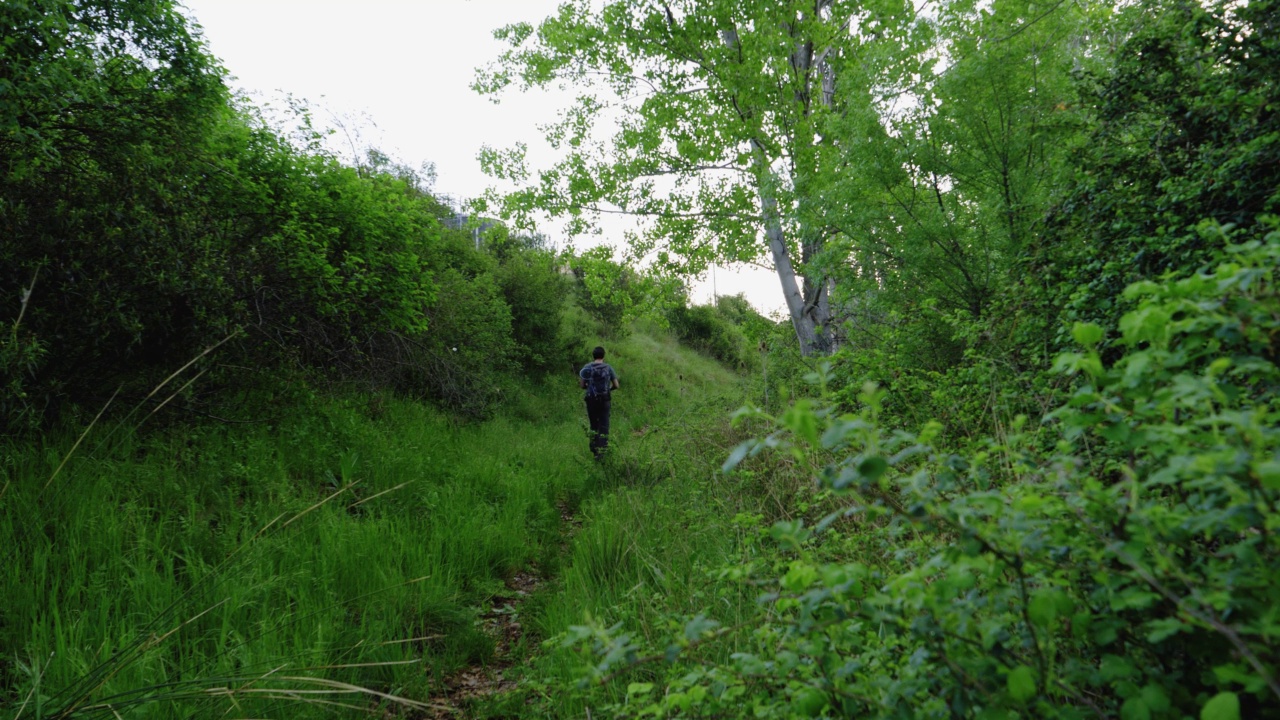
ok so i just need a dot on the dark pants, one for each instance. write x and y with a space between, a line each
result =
598 414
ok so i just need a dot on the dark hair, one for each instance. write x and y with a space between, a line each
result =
598 353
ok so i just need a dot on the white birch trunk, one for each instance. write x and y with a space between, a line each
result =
810 319
801 316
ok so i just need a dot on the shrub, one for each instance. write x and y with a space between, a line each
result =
159 215
604 289
704 328
1186 130
1128 570
737 310
106 114
535 291
465 358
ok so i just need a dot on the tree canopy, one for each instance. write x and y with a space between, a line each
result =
148 214
834 140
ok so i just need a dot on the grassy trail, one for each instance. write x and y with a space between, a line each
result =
274 570
656 521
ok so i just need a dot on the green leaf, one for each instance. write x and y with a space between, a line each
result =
1022 683
790 534
1162 628
637 688
1155 698
1143 287
1115 432
799 577
1149 324
1067 363
961 578
801 420
1087 334
872 468
1223 706
1135 708
1115 667
808 702
1237 672
1135 368
1043 608
698 627
1080 623
834 575
1268 474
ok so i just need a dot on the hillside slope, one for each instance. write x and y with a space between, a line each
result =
337 553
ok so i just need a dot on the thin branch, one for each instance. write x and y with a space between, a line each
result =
26 297
663 214
1225 630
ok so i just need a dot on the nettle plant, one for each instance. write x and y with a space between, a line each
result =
1130 570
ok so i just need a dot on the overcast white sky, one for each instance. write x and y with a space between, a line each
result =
404 67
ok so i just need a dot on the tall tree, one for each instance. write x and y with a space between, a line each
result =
1186 131
718 108
944 184
144 212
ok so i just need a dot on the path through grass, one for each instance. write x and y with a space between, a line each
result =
270 570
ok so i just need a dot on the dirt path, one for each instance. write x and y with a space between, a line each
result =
502 622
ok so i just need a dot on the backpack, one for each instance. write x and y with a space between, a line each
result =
599 380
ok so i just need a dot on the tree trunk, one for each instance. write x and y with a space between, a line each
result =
810 310
808 319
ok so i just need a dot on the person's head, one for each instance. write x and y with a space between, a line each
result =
598 353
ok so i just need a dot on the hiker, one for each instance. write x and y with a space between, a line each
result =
599 380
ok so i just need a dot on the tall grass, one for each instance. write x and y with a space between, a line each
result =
333 558
656 522
337 558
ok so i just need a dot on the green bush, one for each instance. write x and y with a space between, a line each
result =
466 357
705 329
1185 130
105 118
169 216
604 290
737 310
536 292
347 257
1126 570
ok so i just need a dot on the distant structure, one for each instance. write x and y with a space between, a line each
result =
461 220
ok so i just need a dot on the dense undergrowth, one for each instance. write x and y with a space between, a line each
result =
1038 477
215 568
1114 557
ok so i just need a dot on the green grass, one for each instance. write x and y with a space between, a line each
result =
659 527
217 568
337 535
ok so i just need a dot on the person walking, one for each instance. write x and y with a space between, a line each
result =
599 380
